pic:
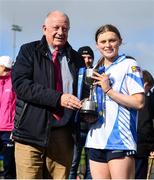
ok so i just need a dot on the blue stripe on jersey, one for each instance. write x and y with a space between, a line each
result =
121 129
133 119
114 138
139 80
123 88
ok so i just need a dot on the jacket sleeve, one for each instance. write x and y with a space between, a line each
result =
24 85
152 102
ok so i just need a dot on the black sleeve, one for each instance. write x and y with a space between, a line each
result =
85 91
152 103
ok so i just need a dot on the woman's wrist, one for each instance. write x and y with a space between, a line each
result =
108 90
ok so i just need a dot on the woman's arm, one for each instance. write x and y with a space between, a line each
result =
135 101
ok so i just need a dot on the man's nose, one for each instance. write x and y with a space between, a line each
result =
60 30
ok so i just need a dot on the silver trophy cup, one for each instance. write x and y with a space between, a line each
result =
89 105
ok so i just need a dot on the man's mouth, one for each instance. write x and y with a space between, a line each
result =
59 38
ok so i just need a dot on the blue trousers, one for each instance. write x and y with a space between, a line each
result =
76 158
7 151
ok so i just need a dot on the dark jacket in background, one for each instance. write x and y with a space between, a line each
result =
33 82
145 130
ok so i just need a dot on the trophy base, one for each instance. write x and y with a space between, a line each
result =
91 112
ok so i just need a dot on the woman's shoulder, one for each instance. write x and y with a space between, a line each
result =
130 57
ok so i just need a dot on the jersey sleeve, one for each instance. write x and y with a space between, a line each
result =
134 78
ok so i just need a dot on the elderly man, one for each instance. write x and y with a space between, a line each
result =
45 79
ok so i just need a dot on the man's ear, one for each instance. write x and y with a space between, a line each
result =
44 28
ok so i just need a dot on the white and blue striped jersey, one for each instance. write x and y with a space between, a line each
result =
118 130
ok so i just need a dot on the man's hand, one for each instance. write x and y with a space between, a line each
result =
70 101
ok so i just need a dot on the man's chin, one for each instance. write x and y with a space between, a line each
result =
59 44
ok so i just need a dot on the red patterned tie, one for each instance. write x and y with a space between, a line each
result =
57 69
58 81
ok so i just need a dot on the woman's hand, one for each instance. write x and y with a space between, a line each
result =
102 80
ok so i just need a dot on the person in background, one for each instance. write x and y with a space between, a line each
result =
44 78
145 135
87 53
111 140
7 113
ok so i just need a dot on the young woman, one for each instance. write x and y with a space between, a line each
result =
112 139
